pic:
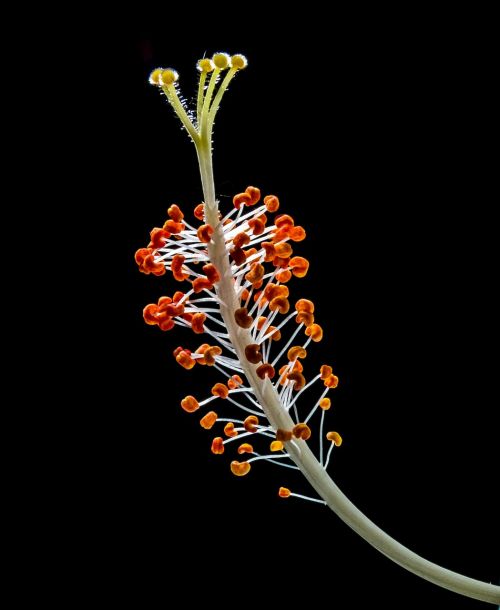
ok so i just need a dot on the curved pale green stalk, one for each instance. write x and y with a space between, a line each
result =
279 417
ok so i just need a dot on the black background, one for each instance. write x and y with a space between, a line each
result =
376 139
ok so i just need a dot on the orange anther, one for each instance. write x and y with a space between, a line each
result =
284 492
302 431
265 370
178 295
218 445
254 193
297 234
208 420
335 438
297 367
304 305
201 350
276 446
241 239
199 211
229 430
177 263
252 353
245 448
257 226
141 254
166 324
250 252
210 354
250 423
211 273
242 318
149 313
280 262
255 274
325 404
244 294
149 265
304 317
260 322
178 350
276 334
272 203
315 332
204 233
296 352
283 249
283 435
234 381
238 256
241 199
173 309
190 404
283 220
273 290
185 360
197 323
299 266
284 276
220 390
175 213
298 380
202 283
240 469
163 302
332 381
280 303
158 238
270 251
325 371
174 227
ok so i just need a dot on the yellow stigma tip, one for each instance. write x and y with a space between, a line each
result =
239 62
154 77
168 77
221 61
205 65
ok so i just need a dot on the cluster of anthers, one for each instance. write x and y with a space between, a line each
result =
261 263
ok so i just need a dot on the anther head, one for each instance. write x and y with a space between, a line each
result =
335 438
205 65
221 61
284 492
240 469
239 62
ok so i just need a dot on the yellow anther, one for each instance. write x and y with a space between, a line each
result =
276 446
284 492
325 403
205 65
239 62
154 77
168 77
335 438
221 61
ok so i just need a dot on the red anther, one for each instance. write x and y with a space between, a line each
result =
197 323
276 336
199 211
284 276
220 390
284 492
166 324
276 446
178 350
234 381
252 353
304 305
269 250
205 233
141 254
177 262
325 404
241 199
280 303
174 227
241 239
149 265
251 422
201 350
283 435
273 290
202 283
242 318
178 295
265 370
297 234
208 420
296 352
210 353
302 431
272 203
335 438
211 273
173 309
245 448
332 381
281 262
283 220
258 284
283 250
175 213
217 446
185 360
245 293
163 302
238 256
250 252
299 266
149 313
303 317
229 430
240 469
158 238
254 193
315 332
325 371
256 297
255 274
190 404
260 322
257 226
298 380
280 234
